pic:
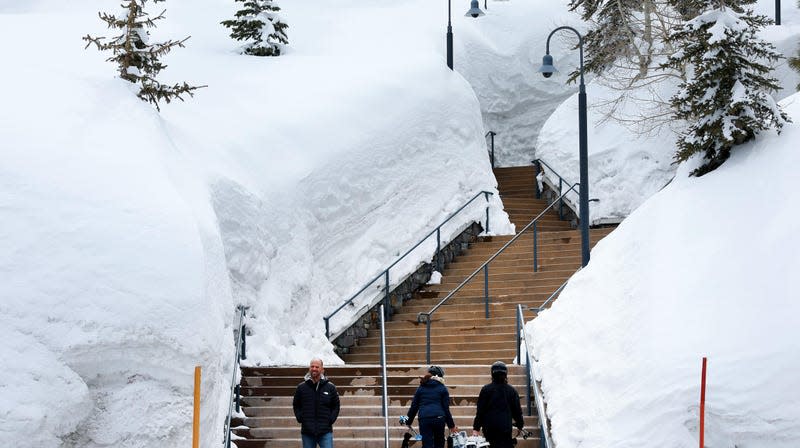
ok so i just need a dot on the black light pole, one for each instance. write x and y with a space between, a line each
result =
547 69
474 11
777 12
449 38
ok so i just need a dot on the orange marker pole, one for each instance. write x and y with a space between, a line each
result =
703 404
196 422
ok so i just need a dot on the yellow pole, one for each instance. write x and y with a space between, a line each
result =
196 422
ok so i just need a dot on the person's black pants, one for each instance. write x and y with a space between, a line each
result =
432 432
499 439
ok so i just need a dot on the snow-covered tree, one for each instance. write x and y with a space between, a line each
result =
794 63
625 45
726 97
138 60
259 26
612 34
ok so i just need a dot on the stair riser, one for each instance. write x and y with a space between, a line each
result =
376 380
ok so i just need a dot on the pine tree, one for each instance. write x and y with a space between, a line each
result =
137 59
794 62
259 26
726 96
613 32
624 47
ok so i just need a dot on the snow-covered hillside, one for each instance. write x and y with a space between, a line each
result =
129 236
706 267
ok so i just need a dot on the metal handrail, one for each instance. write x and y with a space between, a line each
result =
385 385
426 317
520 325
554 294
235 397
561 182
491 135
537 393
385 272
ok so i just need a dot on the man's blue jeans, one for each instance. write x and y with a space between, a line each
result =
324 441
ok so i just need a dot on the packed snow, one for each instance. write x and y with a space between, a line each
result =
130 236
703 268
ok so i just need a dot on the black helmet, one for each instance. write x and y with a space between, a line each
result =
499 367
436 371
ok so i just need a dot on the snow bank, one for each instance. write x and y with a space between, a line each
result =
129 236
703 268
500 54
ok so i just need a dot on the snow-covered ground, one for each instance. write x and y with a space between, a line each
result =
129 236
706 267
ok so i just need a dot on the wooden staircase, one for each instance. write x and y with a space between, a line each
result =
463 341
270 419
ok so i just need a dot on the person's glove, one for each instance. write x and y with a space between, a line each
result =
403 419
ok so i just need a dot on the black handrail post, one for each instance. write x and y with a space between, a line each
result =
387 308
535 249
428 338
536 178
528 389
327 327
439 264
237 398
244 342
491 135
486 288
486 195
519 324
561 200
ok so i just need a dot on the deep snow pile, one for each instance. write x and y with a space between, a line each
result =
703 268
128 236
499 54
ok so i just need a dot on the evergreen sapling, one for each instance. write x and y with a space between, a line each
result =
259 26
137 59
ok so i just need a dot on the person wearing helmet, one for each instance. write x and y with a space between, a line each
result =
432 401
498 408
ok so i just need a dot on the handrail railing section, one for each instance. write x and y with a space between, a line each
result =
426 317
561 182
235 392
532 382
385 272
384 385
491 135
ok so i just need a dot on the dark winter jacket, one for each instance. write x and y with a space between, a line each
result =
498 405
316 406
431 400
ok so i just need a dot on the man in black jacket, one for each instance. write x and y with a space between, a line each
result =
316 407
498 405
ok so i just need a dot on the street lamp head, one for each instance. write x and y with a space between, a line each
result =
474 10
547 69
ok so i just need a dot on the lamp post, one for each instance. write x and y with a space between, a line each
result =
777 12
547 69
474 12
